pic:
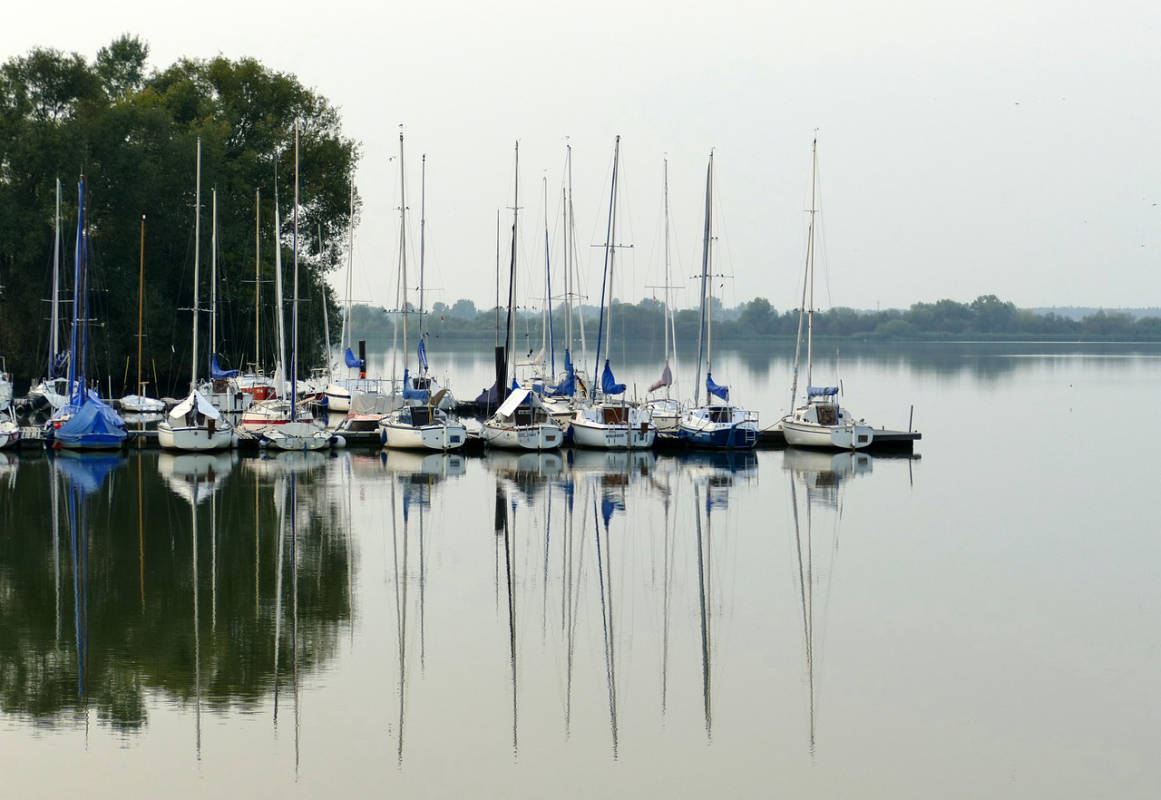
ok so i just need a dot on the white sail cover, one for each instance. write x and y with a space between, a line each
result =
509 406
204 406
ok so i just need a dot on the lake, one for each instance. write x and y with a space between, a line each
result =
979 620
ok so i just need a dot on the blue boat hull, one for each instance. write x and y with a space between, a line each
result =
733 437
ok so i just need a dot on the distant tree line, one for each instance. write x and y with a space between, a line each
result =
132 132
985 318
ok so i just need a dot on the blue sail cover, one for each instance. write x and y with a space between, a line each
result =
567 387
821 391
609 384
219 374
408 392
422 355
93 425
487 397
353 361
714 389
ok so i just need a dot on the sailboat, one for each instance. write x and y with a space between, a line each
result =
300 431
521 422
717 425
85 422
420 424
666 411
195 423
608 423
53 390
141 403
820 421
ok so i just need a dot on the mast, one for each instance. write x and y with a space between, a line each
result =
572 247
257 271
403 247
76 393
610 249
54 332
548 290
345 338
497 277
810 261
510 331
422 225
213 272
140 305
280 371
705 248
294 307
326 320
567 276
193 367
807 289
709 256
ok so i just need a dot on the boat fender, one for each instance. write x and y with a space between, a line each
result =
338 441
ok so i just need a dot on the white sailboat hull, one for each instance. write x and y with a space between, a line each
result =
540 436
193 438
612 437
443 436
839 437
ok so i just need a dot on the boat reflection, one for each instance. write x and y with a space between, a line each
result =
823 476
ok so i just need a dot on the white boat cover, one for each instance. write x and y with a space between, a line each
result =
509 406
204 407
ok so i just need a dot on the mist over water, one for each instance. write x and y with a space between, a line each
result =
978 620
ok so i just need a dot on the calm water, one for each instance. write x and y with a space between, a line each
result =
981 621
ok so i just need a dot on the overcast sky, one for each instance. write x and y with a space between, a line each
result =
995 147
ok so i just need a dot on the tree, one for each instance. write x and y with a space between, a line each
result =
133 133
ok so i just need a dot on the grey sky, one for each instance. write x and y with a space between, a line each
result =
969 148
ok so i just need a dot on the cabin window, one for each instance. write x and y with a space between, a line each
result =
826 415
420 415
614 415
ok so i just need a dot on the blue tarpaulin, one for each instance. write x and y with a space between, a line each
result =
353 361
409 393
219 374
714 389
609 384
821 391
567 387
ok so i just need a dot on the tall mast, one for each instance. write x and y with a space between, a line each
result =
567 276
345 340
548 289
497 277
422 225
76 393
193 367
606 279
213 271
140 304
572 256
709 257
403 246
326 319
294 307
257 271
807 288
810 261
54 332
667 320
510 332
281 369
705 248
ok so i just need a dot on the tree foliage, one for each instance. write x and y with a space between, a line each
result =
133 134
